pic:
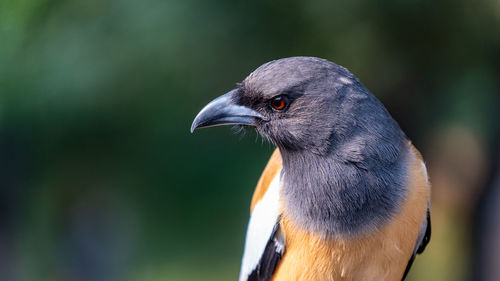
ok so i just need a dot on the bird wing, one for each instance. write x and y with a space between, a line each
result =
265 243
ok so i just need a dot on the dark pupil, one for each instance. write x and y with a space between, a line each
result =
278 103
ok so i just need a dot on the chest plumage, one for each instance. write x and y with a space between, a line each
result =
382 254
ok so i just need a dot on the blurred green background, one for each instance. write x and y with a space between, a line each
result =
100 178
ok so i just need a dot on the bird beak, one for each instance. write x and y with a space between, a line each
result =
224 111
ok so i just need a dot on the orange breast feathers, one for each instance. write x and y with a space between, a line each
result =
273 167
380 255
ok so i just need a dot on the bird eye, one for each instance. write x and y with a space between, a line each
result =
279 103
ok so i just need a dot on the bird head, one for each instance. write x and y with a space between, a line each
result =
294 102
343 152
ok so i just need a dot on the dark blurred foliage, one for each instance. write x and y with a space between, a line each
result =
101 179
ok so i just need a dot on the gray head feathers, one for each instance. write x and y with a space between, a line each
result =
344 156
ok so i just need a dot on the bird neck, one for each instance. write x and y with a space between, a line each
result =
345 193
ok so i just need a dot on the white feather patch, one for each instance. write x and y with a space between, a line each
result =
345 80
425 171
260 228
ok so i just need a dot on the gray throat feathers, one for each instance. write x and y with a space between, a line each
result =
355 188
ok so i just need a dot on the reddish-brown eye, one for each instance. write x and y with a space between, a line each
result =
279 103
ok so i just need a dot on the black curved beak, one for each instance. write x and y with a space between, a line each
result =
224 111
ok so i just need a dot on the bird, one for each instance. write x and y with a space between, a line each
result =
345 195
